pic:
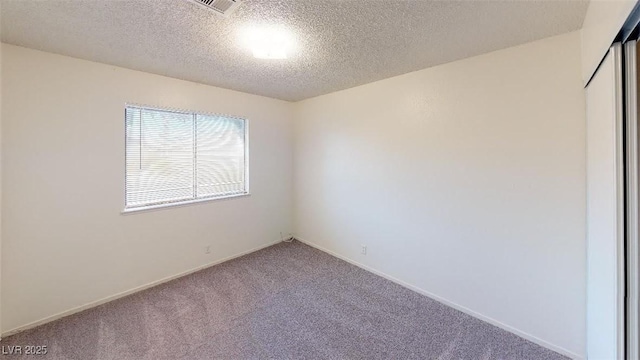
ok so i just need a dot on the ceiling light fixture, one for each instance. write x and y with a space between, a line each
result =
269 42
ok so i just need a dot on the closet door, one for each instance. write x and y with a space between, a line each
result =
605 211
632 170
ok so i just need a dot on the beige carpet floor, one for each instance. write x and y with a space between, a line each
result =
288 301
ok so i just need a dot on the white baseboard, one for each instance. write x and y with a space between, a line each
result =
128 292
465 310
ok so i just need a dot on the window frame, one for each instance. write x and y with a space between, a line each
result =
197 200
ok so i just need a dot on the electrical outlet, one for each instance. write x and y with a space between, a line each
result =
207 249
363 249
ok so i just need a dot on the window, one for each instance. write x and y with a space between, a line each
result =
180 157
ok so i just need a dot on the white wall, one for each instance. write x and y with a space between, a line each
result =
601 25
65 243
466 180
605 212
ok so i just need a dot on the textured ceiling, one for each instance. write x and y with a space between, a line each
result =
338 44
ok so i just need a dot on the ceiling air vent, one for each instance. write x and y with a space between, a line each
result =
224 7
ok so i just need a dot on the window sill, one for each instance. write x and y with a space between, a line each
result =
179 204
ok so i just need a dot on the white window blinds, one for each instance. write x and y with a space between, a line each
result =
179 157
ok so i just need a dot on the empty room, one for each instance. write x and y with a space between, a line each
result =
319 179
